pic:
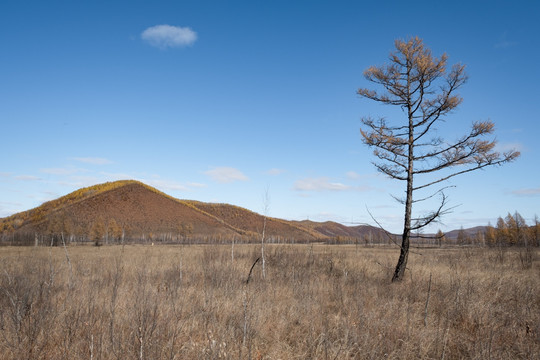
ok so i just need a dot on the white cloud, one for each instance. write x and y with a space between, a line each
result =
196 185
154 181
319 184
353 175
527 192
27 178
79 181
504 42
164 36
376 176
503 147
93 160
117 176
9 208
61 171
165 185
275 172
226 174
327 216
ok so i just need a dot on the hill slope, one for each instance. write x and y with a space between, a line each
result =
131 209
336 230
138 210
252 223
128 205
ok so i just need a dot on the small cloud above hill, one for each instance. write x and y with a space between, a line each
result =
319 184
27 178
93 160
61 171
164 36
226 174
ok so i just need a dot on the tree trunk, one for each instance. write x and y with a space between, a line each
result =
402 262
405 240
404 253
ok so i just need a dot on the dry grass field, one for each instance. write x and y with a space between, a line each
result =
316 302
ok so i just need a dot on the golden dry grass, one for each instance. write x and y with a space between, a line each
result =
317 302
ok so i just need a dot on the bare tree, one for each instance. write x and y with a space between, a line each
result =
424 89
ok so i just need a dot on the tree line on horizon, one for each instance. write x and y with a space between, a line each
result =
511 230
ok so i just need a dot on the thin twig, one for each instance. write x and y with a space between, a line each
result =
427 301
251 270
388 233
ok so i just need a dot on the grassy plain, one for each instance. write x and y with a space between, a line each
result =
316 302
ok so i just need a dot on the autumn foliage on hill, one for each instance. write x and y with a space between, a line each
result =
132 211
251 223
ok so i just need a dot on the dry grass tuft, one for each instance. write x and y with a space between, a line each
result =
318 302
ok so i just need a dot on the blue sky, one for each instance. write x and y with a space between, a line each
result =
222 101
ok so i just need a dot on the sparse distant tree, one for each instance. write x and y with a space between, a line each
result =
185 229
516 226
480 238
491 235
97 231
513 229
59 229
114 230
462 238
409 150
535 232
440 237
521 225
502 233
54 227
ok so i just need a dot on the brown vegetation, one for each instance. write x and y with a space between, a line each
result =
317 301
132 211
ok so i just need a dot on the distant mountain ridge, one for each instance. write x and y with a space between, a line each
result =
134 209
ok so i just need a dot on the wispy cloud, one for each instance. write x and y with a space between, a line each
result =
226 174
27 178
319 184
196 185
9 208
503 147
503 42
116 176
275 172
164 36
166 185
527 192
79 181
155 181
327 216
61 171
353 175
93 160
